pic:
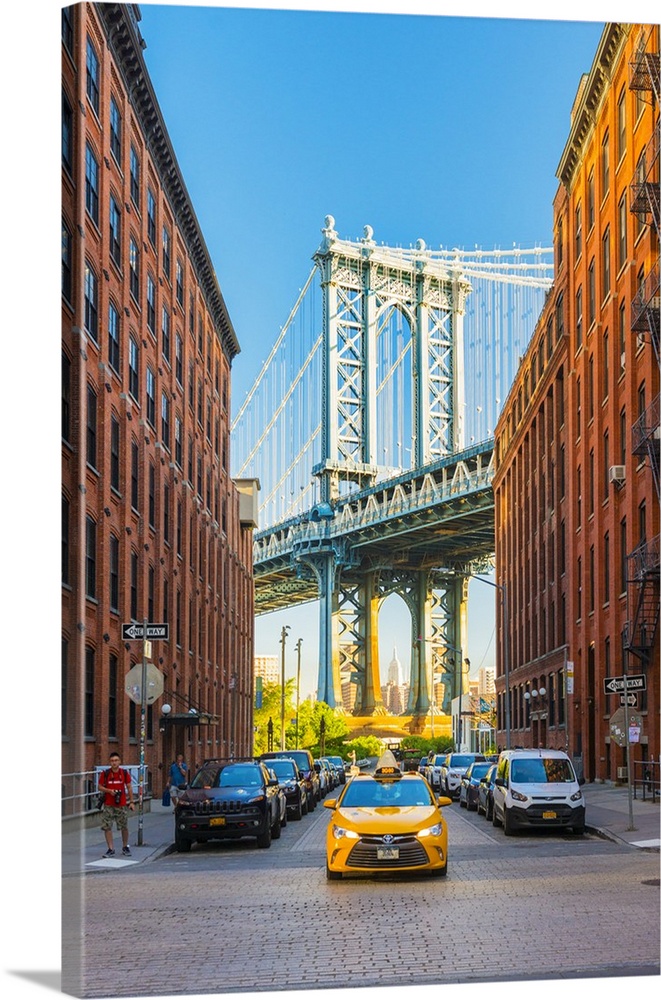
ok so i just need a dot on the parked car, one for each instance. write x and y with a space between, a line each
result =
485 792
324 778
332 773
434 764
409 759
470 783
339 767
385 822
305 764
537 788
423 767
292 783
453 769
227 800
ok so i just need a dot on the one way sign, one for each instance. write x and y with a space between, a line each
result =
616 685
135 630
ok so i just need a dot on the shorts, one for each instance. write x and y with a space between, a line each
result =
175 792
116 814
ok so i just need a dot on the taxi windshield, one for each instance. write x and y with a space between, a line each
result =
399 793
541 770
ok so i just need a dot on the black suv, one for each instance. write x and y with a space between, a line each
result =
305 763
227 800
292 784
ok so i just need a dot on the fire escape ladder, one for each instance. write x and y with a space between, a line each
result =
643 599
646 439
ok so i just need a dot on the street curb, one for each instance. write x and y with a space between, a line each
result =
613 837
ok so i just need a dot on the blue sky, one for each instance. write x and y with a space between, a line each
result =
445 128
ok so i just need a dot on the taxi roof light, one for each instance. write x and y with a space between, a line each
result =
387 766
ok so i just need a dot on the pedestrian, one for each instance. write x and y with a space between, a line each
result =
115 781
178 779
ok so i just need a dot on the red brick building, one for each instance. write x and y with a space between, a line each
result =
577 443
153 528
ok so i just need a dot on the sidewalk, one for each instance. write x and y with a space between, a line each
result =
607 816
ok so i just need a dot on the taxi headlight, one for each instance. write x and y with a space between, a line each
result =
339 832
518 796
431 831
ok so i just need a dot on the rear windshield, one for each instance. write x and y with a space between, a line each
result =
541 770
386 793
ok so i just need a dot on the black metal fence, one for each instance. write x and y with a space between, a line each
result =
647 779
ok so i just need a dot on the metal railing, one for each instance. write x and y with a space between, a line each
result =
80 789
647 779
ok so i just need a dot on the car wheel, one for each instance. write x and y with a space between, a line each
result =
494 816
471 806
488 810
462 802
579 830
333 876
312 803
276 829
182 844
304 806
298 812
264 839
508 828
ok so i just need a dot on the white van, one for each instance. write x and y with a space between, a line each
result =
537 788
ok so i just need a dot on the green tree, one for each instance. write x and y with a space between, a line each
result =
271 709
310 715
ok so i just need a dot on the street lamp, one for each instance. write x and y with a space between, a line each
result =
298 684
454 686
283 639
506 647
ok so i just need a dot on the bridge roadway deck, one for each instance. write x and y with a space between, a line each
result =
441 515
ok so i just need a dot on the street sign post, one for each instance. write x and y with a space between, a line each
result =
625 726
630 700
144 691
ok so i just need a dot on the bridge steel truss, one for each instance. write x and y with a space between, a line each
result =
419 535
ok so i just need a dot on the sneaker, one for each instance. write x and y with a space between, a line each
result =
126 851
110 853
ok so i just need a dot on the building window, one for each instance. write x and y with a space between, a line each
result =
559 240
151 304
65 540
591 387
166 516
623 436
607 569
67 133
165 420
621 124
66 397
165 330
606 367
590 200
113 337
133 589
180 283
114 453
115 232
622 335
579 317
91 308
606 466
90 557
592 294
579 588
180 527
606 263
135 475
152 499
134 171
622 232
151 217
113 675
559 322
91 184
605 166
134 368
134 270
623 556
151 580
92 66
579 499
67 29
578 231
67 263
115 131
166 252
179 359
114 573
151 397
178 445
91 427
89 691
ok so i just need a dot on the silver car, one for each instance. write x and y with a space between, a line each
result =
453 769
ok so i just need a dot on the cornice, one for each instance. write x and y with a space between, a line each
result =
120 22
585 113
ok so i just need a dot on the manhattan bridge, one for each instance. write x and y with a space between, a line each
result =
370 429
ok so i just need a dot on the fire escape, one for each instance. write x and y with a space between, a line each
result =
643 562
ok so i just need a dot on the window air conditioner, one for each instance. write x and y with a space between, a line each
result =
616 474
621 774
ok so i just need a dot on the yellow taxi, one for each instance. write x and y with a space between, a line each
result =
386 822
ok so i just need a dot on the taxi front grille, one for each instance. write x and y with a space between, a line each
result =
365 853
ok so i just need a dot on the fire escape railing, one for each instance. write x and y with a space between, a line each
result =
643 599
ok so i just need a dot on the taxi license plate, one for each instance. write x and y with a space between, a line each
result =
387 853
549 814
217 821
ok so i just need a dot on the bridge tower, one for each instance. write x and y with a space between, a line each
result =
364 286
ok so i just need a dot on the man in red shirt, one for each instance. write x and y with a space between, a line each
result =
116 783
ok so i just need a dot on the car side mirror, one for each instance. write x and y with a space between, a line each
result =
500 782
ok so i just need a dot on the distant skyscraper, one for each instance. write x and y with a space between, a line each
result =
267 667
395 670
